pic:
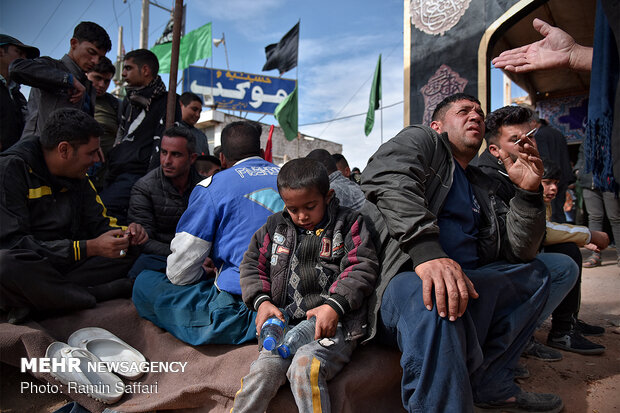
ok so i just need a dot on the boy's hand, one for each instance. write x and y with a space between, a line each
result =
265 311
326 321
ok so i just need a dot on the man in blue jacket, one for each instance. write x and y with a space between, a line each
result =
224 211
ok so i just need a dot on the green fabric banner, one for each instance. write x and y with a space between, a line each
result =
195 45
286 114
375 97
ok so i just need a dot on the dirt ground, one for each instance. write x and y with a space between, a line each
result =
587 384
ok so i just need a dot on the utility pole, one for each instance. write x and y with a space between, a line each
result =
174 62
118 75
144 25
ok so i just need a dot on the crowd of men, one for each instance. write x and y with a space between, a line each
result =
463 282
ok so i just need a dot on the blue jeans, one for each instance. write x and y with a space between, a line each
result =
447 366
196 314
564 273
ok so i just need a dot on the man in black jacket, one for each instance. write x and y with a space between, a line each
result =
503 129
62 83
142 123
160 197
12 102
447 241
58 248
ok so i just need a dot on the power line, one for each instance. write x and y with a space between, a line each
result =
116 17
72 27
48 20
357 91
130 22
349 116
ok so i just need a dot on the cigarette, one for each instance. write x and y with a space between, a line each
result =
527 135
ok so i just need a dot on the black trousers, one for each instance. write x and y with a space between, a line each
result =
29 280
565 314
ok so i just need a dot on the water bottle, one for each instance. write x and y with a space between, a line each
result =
272 333
302 333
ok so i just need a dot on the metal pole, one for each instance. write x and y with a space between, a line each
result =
118 75
144 25
381 121
225 51
174 62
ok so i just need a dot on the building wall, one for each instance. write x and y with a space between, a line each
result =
212 122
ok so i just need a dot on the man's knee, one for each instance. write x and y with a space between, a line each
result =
560 266
403 287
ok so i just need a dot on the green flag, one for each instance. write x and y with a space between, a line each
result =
286 114
195 45
375 97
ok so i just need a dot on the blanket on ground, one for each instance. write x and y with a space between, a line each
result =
212 376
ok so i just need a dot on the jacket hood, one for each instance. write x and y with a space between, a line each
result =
487 160
29 149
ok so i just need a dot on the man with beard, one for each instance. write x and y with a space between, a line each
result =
460 290
160 197
142 123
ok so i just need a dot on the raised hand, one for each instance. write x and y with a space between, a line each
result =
527 170
557 49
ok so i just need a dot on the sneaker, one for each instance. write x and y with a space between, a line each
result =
588 329
573 341
539 351
521 371
524 402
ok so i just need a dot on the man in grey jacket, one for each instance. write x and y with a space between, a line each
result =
160 197
348 192
62 83
440 228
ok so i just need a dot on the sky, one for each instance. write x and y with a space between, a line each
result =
338 49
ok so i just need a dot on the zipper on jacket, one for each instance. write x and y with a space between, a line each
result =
497 229
288 267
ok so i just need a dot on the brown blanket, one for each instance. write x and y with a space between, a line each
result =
370 383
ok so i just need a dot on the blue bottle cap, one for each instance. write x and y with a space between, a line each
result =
274 320
269 343
284 351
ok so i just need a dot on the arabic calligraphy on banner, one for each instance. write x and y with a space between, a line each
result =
443 83
437 16
237 90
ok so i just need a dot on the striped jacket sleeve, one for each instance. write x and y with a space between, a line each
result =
557 233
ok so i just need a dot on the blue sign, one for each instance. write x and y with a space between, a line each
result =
237 90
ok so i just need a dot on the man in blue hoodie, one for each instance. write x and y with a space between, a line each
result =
224 211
